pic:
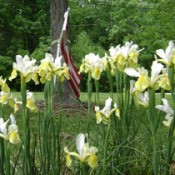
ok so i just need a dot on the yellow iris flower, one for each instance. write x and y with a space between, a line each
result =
4 97
164 81
143 99
167 57
104 114
31 102
123 56
85 153
50 66
26 68
144 81
11 133
94 64
7 99
168 110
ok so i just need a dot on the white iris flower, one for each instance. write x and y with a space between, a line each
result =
168 110
85 153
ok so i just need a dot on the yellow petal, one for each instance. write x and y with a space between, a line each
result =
133 56
120 67
132 64
96 73
66 74
81 68
117 113
48 76
164 83
31 105
121 60
68 160
167 123
14 137
35 78
142 83
5 88
16 108
43 79
98 117
4 99
13 75
92 161
28 77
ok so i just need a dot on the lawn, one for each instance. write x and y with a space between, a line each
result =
130 151
39 96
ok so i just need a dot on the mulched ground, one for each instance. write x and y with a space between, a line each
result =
79 107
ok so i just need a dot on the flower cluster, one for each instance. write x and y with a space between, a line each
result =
85 152
123 56
94 64
9 133
50 66
159 78
7 99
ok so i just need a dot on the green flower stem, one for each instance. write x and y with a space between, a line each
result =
118 81
153 119
126 107
97 91
52 127
120 125
106 148
53 145
119 84
155 156
152 113
23 92
110 82
170 139
7 158
50 96
2 111
171 78
2 156
162 95
84 169
45 133
89 87
26 130
59 128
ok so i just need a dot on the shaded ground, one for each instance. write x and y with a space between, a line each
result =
68 109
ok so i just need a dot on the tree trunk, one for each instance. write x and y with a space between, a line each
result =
57 9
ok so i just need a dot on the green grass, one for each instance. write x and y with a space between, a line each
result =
37 95
84 97
102 97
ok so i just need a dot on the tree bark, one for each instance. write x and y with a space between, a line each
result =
57 9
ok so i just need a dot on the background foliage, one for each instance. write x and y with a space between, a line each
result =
94 26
